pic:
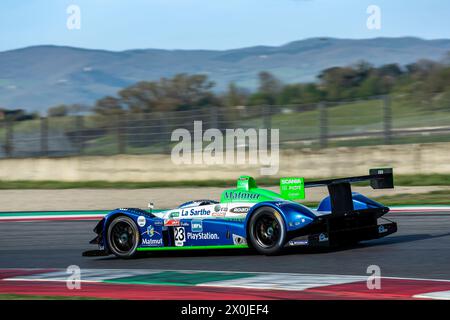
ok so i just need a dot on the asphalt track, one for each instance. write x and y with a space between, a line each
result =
420 249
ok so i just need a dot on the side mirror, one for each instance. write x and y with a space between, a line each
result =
150 206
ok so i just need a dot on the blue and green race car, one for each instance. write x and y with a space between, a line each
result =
252 217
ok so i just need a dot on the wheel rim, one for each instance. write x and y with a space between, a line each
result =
267 230
122 237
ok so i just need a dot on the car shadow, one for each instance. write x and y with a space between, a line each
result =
367 244
404 238
287 251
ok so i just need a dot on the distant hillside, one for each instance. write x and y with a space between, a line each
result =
36 78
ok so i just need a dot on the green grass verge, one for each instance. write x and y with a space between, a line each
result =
35 297
400 180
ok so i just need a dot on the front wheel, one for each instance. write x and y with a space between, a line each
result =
123 237
266 231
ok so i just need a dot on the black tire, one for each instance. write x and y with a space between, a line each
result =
123 237
267 231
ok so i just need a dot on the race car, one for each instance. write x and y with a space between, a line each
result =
252 217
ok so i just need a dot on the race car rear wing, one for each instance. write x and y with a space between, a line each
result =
379 179
340 189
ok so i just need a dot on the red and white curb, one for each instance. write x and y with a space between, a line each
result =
283 281
49 216
163 284
440 295
52 218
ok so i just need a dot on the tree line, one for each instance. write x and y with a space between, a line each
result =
424 80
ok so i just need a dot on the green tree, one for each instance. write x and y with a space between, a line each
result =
108 106
182 92
269 88
61 110
234 96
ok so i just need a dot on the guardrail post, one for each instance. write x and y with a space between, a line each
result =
323 124
387 119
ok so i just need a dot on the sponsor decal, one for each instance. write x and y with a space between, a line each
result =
241 195
202 236
323 237
195 212
298 242
150 232
179 235
240 209
174 214
141 221
238 239
158 222
219 211
197 226
171 223
382 229
152 242
218 214
292 188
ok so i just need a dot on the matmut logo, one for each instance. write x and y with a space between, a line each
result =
150 232
241 195
152 242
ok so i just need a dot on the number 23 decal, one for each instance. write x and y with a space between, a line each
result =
180 236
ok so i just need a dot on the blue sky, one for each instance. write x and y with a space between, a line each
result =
212 24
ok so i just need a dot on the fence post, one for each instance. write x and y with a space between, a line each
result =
121 132
165 132
267 116
9 138
79 125
387 119
323 125
44 136
213 117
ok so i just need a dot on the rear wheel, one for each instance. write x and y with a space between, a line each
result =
266 231
123 237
